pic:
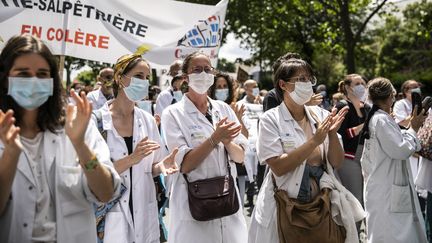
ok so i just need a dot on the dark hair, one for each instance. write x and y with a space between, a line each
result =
405 87
287 70
379 89
230 83
188 59
348 80
51 114
124 64
285 57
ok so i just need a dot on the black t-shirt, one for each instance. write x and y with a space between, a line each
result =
271 100
129 144
351 120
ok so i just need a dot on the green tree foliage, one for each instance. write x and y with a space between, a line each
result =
87 77
406 49
271 28
73 63
225 66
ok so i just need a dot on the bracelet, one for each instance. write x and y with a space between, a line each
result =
212 142
92 163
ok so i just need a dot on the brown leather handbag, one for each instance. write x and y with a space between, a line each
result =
306 222
212 198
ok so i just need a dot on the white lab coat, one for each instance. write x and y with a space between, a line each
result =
250 119
186 127
97 98
75 218
384 178
163 100
119 226
279 133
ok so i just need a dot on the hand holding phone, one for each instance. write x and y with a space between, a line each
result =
427 103
416 101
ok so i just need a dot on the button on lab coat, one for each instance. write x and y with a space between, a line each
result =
381 163
186 127
119 226
75 219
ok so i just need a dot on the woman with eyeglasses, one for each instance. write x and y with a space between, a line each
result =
137 153
207 135
54 163
301 146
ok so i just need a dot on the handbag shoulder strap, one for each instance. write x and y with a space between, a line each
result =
275 187
227 163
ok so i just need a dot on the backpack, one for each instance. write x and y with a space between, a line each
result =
424 134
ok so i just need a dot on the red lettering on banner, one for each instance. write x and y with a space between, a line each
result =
50 34
177 53
35 30
103 42
76 37
90 38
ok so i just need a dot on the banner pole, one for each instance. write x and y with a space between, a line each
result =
61 67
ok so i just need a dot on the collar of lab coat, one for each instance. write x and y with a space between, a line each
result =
190 108
49 150
287 115
107 123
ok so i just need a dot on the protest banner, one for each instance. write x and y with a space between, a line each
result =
100 30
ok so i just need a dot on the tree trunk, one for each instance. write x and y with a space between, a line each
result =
350 42
350 57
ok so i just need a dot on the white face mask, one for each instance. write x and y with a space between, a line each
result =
416 90
302 92
360 92
255 92
221 94
201 82
177 95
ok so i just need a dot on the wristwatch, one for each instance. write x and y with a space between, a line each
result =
91 164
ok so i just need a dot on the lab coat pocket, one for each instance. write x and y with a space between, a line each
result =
400 199
70 175
75 213
116 228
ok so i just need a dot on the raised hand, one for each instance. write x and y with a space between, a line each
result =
77 117
417 120
239 110
337 118
168 165
226 131
144 148
322 130
316 99
9 133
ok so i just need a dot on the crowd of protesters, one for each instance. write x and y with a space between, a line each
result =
103 165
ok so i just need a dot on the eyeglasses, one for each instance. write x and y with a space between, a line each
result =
304 79
198 70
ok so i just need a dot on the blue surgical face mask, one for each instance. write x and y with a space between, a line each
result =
145 105
255 92
177 95
30 93
221 94
137 89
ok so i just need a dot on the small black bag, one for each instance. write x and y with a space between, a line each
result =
212 198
